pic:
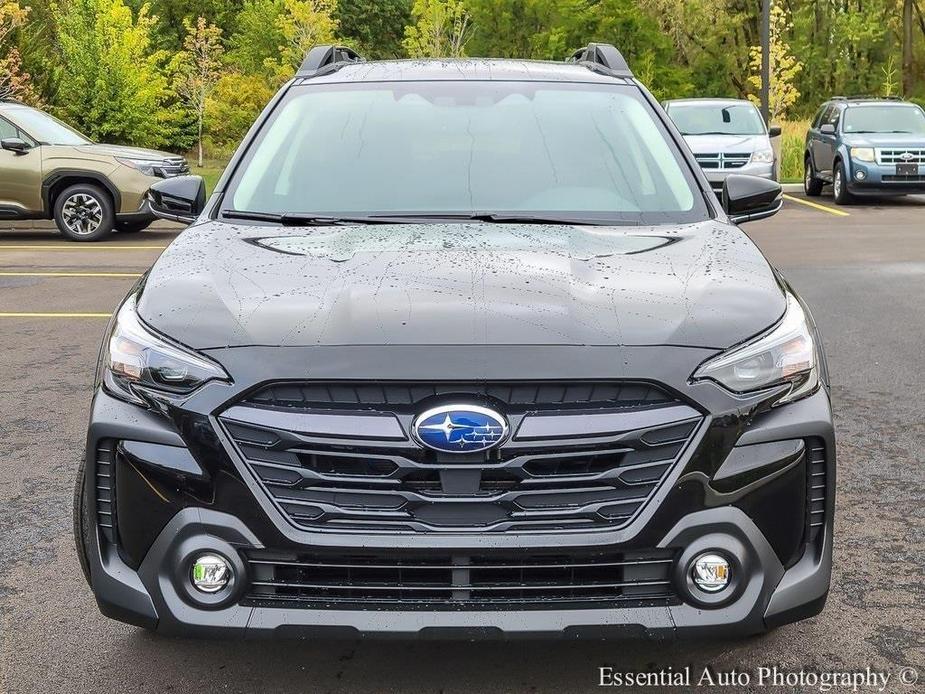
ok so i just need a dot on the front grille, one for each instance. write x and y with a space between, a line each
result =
174 166
912 178
403 396
105 489
448 581
898 155
723 160
816 488
338 456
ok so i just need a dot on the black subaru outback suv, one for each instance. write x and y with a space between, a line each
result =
460 348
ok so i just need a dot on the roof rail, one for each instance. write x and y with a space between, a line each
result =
602 57
869 97
838 98
324 59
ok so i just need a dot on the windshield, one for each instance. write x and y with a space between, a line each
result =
884 119
47 129
570 151
717 119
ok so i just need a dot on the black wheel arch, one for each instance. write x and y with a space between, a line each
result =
57 181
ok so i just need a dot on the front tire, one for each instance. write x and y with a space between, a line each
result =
840 185
812 186
84 212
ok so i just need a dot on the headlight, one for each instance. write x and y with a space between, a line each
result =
763 156
145 166
785 354
138 366
862 153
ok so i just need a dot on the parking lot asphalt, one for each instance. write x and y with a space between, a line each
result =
862 271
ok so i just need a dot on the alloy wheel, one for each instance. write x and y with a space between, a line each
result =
82 214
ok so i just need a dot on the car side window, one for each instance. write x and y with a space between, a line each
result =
7 129
817 119
834 116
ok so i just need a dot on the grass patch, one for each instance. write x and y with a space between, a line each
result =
210 171
792 140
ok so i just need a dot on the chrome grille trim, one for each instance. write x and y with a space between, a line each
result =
893 155
723 160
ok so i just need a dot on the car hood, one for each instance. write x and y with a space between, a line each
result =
895 140
221 285
126 152
702 144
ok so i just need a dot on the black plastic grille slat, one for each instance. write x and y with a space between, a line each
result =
455 581
816 488
105 489
364 485
390 395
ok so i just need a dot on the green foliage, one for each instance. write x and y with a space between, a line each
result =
258 36
792 142
231 108
783 67
441 29
110 83
375 29
172 14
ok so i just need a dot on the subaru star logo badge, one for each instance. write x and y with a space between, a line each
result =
460 429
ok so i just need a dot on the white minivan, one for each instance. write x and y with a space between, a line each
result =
726 136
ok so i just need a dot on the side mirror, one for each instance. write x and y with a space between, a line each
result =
15 145
827 129
774 131
180 199
747 198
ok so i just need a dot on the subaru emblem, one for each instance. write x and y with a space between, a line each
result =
459 429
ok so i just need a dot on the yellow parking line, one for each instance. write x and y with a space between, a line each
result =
54 315
75 247
817 206
70 274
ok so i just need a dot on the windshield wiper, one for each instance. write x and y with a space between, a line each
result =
494 218
303 220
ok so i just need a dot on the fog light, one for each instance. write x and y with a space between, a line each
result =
860 175
711 573
211 573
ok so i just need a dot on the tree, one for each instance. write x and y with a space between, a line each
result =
172 14
200 68
232 108
110 82
441 29
303 25
784 67
257 37
375 28
15 82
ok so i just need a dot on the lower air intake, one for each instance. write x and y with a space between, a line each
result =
455 581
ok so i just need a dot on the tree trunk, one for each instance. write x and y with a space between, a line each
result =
907 47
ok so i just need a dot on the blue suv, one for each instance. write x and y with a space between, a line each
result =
865 146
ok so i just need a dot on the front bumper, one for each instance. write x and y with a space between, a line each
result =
717 177
880 179
188 496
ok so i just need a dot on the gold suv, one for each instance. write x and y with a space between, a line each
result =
50 171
